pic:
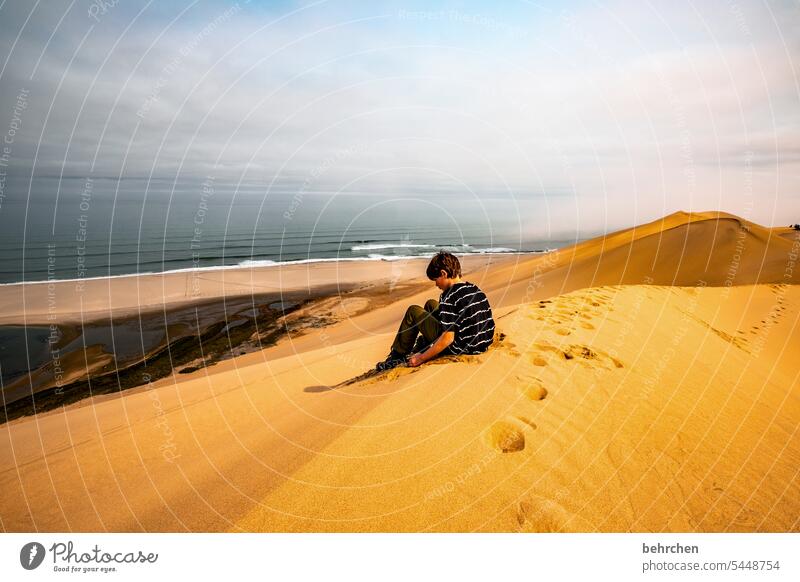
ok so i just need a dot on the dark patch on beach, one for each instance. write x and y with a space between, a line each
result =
182 340
201 345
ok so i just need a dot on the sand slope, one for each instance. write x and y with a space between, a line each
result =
607 408
717 248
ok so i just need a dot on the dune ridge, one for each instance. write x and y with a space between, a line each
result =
681 249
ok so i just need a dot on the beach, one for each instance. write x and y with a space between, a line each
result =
70 339
645 381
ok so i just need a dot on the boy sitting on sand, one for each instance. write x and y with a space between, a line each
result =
459 323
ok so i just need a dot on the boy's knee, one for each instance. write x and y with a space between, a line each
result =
414 311
431 305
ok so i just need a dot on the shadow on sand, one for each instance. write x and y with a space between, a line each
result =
499 341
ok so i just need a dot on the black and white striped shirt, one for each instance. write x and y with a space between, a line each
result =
464 309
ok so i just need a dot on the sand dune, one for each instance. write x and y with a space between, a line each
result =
716 248
608 409
644 381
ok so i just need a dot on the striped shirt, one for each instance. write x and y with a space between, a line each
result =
464 309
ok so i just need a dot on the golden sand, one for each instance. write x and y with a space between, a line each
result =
643 381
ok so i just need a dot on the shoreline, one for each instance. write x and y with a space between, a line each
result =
78 300
266 264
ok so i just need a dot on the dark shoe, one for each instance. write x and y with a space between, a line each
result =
392 361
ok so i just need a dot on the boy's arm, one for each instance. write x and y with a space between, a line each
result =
440 344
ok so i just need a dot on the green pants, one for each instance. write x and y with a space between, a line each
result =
424 320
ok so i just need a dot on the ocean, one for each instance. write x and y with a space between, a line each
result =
91 233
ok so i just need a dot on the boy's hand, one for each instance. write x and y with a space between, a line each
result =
415 360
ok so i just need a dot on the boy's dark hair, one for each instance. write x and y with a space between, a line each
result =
443 261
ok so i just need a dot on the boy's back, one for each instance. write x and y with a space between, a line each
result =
465 310
459 323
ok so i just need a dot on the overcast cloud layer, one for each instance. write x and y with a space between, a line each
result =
610 114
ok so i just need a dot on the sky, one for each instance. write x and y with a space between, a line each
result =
599 114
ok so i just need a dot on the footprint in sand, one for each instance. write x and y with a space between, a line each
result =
506 436
581 352
538 361
541 515
577 353
563 331
586 353
586 325
534 391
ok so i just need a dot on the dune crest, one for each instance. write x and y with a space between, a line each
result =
682 249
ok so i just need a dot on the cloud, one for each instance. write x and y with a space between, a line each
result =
605 104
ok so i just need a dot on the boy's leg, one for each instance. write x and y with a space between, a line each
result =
416 319
430 327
